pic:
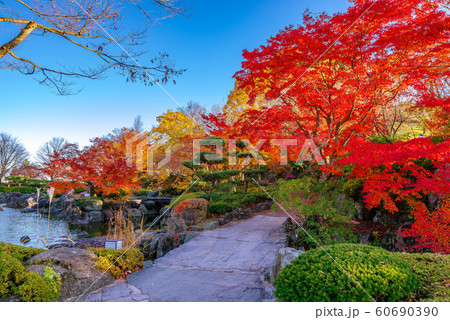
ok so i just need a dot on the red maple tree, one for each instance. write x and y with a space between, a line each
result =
103 167
327 78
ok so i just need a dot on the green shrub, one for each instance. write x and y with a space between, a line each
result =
10 269
79 189
433 271
353 188
18 189
120 263
142 192
320 208
81 201
29 286
23 254
19 181
37 288
232 200
320 232
315 276
219 208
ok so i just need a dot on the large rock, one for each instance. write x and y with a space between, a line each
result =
135 213
135 203
92 205
158 246
175 225
19 201
143 209
1 209
211 225
76 267
153 194
150 205
284 257
191 211
94 216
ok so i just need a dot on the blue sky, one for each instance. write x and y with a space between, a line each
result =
208 44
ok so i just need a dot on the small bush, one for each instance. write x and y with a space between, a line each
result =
10 269
120 263
23 254
79 189
232 200
37 288
315 276
433 271
190 206
219 208
30 286
142 192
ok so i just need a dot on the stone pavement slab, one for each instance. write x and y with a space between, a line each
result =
225 264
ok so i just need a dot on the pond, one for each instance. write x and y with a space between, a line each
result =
15 224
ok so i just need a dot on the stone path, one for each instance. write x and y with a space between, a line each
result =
119 291
225 264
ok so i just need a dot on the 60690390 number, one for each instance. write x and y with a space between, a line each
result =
407 311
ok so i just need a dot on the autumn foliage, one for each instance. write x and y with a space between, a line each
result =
331 80
102 168
328 80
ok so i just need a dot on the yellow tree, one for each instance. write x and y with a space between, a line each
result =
172 139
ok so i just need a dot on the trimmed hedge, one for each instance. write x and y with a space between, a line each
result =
222 202
315 276
18 189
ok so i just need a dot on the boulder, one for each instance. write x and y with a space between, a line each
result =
92 205
1 209
19 201
284 257
116 205
76 267
191 211
89 217
211 225
158 246
143 209
134 213
44 203
175 225
135 203
228 217
153 194
150 205
94 216
185 237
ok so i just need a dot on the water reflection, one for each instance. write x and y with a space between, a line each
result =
15 224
